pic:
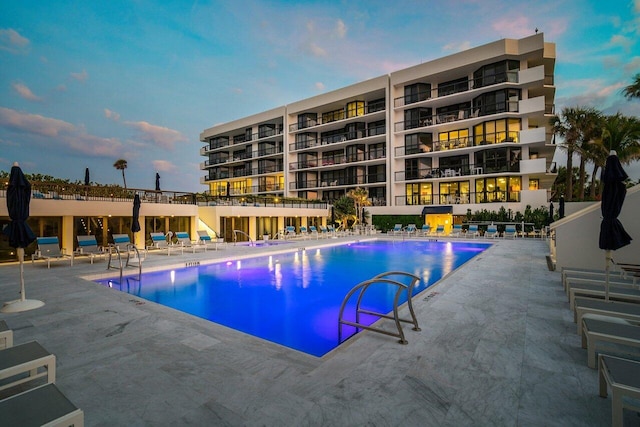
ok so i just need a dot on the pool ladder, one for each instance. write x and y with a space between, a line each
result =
130 249
381 280
235 237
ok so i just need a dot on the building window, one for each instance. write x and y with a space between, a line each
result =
419 193
333 116
496 131
495 73
534 184
500 101
376 105
454 139
417 117
501 189
455 192
453 86
417 92
418 143
355 109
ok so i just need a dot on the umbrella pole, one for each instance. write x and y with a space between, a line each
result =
21 259
606 270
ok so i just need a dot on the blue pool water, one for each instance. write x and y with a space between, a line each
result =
293 299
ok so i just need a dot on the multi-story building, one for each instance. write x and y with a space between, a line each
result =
467 131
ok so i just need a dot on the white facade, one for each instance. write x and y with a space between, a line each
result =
468 131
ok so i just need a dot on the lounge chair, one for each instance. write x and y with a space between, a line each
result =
6 335
49 249
492 232
439 231
290 231
623 378
24 363
184 242
397 229
473 231
40 406
456 231
324 231
509 232
206 240
313 231
425 230
570 273
595 280
332 230
88 245
411 230
616 292
595 332
591 307
159 242
303 232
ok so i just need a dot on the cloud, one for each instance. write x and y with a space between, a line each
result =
164 166
11 41
25 92
634 64
622 41
341 29
454 47
81 77
514 27
51 131
159 135
111 115
314 49
319 86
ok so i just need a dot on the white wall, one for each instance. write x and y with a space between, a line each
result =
577 235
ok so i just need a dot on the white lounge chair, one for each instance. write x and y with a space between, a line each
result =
492 232
596 332
24 363
49 249
473 231
411 230
159 242
40 406
184 242
206 240
397 229
290 231
623 378
616 292
456 231
313 231
590 307
6 335
509 232
88 245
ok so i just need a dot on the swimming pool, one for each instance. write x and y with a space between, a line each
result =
293 298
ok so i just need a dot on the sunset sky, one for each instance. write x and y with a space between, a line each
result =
85 83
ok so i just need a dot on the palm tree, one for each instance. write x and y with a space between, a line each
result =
633 90
590 123
344 211
360 198
622 135
121 165
575 125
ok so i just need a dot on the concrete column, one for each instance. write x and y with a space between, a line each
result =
67 234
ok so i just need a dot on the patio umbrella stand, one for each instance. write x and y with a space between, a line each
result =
612 234
20 235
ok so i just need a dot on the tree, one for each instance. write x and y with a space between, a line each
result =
622 135
344 211
633 90
360 197
121 165
576 125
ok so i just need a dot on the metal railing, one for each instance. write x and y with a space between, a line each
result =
459 198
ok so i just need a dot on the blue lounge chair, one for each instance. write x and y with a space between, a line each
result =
49 249
313 231
411 230
290 231
206 240
456 231
184 242
88 245
159 242
510 232
492 232
439 231
425 230
473 231
397 229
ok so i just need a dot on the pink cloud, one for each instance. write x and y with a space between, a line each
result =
26 93
53 131
159 135
111 115
12 41
164 166
81 77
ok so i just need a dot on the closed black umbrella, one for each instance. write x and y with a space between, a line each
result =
135 223
87 181
19 232
551 212
612 234
561 208
157 181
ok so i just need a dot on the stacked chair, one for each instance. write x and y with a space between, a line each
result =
608 322
28 394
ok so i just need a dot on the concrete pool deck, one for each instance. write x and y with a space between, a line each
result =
498 347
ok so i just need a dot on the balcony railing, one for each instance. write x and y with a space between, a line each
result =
456 87
455 143
455 171
249 199
309 123
462 114
459 199
340 181
337 160
260 135
338 138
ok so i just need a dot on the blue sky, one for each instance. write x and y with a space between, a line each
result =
84 83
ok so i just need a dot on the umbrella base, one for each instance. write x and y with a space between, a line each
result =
21 305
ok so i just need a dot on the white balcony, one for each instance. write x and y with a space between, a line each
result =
533 136
533 166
